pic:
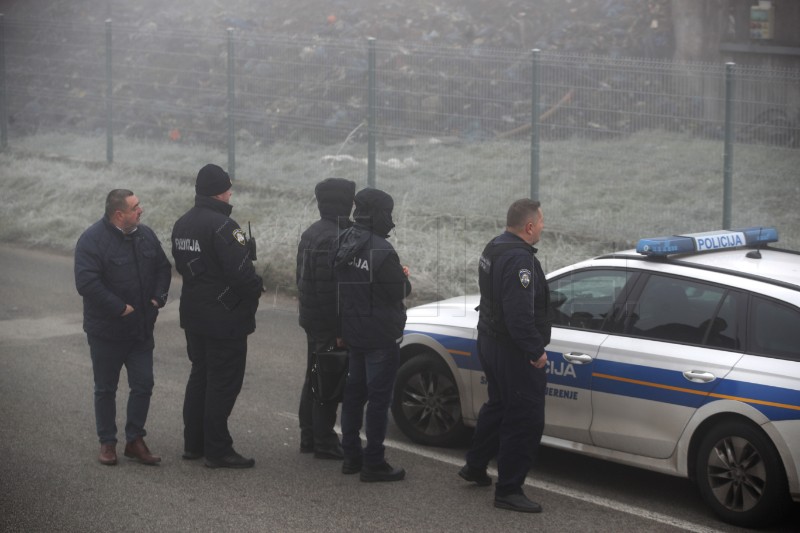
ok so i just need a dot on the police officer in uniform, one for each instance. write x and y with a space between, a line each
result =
318 316
219 300
513 330
371 285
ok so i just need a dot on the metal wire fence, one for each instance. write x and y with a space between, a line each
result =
457 131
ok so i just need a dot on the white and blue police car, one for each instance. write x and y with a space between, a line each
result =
681 356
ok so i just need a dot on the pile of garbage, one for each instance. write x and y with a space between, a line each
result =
630 28
179 106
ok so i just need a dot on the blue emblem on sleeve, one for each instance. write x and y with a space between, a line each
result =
525 277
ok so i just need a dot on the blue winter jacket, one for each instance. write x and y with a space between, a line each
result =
113 269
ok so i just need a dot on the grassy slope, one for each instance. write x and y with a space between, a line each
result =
597 196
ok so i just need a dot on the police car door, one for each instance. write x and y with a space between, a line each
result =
674 348
582 300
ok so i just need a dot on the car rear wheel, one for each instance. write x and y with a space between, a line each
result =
426 405
740 475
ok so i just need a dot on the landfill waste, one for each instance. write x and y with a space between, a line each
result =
170 64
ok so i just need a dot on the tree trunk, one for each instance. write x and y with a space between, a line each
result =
699 27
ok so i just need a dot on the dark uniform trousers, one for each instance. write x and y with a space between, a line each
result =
515 410
316 419
215 381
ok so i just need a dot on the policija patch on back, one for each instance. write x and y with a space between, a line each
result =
238 234
525 277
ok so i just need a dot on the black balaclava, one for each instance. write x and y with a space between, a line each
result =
374 211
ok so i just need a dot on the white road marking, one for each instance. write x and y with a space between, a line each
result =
549 487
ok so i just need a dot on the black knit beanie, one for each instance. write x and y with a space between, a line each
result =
212 180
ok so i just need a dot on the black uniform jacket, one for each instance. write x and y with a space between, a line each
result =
515 298
315 282
221 289
113 269
371 287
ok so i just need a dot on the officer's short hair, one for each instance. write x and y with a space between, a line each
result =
117 200
520 210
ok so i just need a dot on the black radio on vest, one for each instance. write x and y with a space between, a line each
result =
251 243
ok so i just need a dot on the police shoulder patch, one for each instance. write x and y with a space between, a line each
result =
525 277
238 234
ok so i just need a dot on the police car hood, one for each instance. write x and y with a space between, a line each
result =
459 311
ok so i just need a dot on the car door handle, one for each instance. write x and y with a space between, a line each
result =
578 358
697 376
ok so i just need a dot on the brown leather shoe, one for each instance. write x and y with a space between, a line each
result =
137 449
108 453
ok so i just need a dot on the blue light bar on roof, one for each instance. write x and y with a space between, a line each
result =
710 240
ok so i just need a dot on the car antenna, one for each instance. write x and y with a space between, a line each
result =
755 254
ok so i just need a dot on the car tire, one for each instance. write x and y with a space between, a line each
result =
740 475
427 405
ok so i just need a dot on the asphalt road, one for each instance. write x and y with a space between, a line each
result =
50 479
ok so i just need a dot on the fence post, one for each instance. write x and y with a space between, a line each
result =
231 107
109 93
371 99
535 91
3 102
727 166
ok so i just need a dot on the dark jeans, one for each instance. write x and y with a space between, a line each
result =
370 382
108 357
511 422
214 384
316 420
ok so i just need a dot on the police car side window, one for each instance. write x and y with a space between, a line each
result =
774 329
723 330
585 299
679 310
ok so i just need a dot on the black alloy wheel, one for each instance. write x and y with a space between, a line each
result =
426 404
740 475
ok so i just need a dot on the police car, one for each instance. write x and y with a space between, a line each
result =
681 356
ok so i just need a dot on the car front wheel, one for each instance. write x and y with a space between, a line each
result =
426 405
740 475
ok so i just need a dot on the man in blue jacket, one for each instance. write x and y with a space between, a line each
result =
372 285
124 276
